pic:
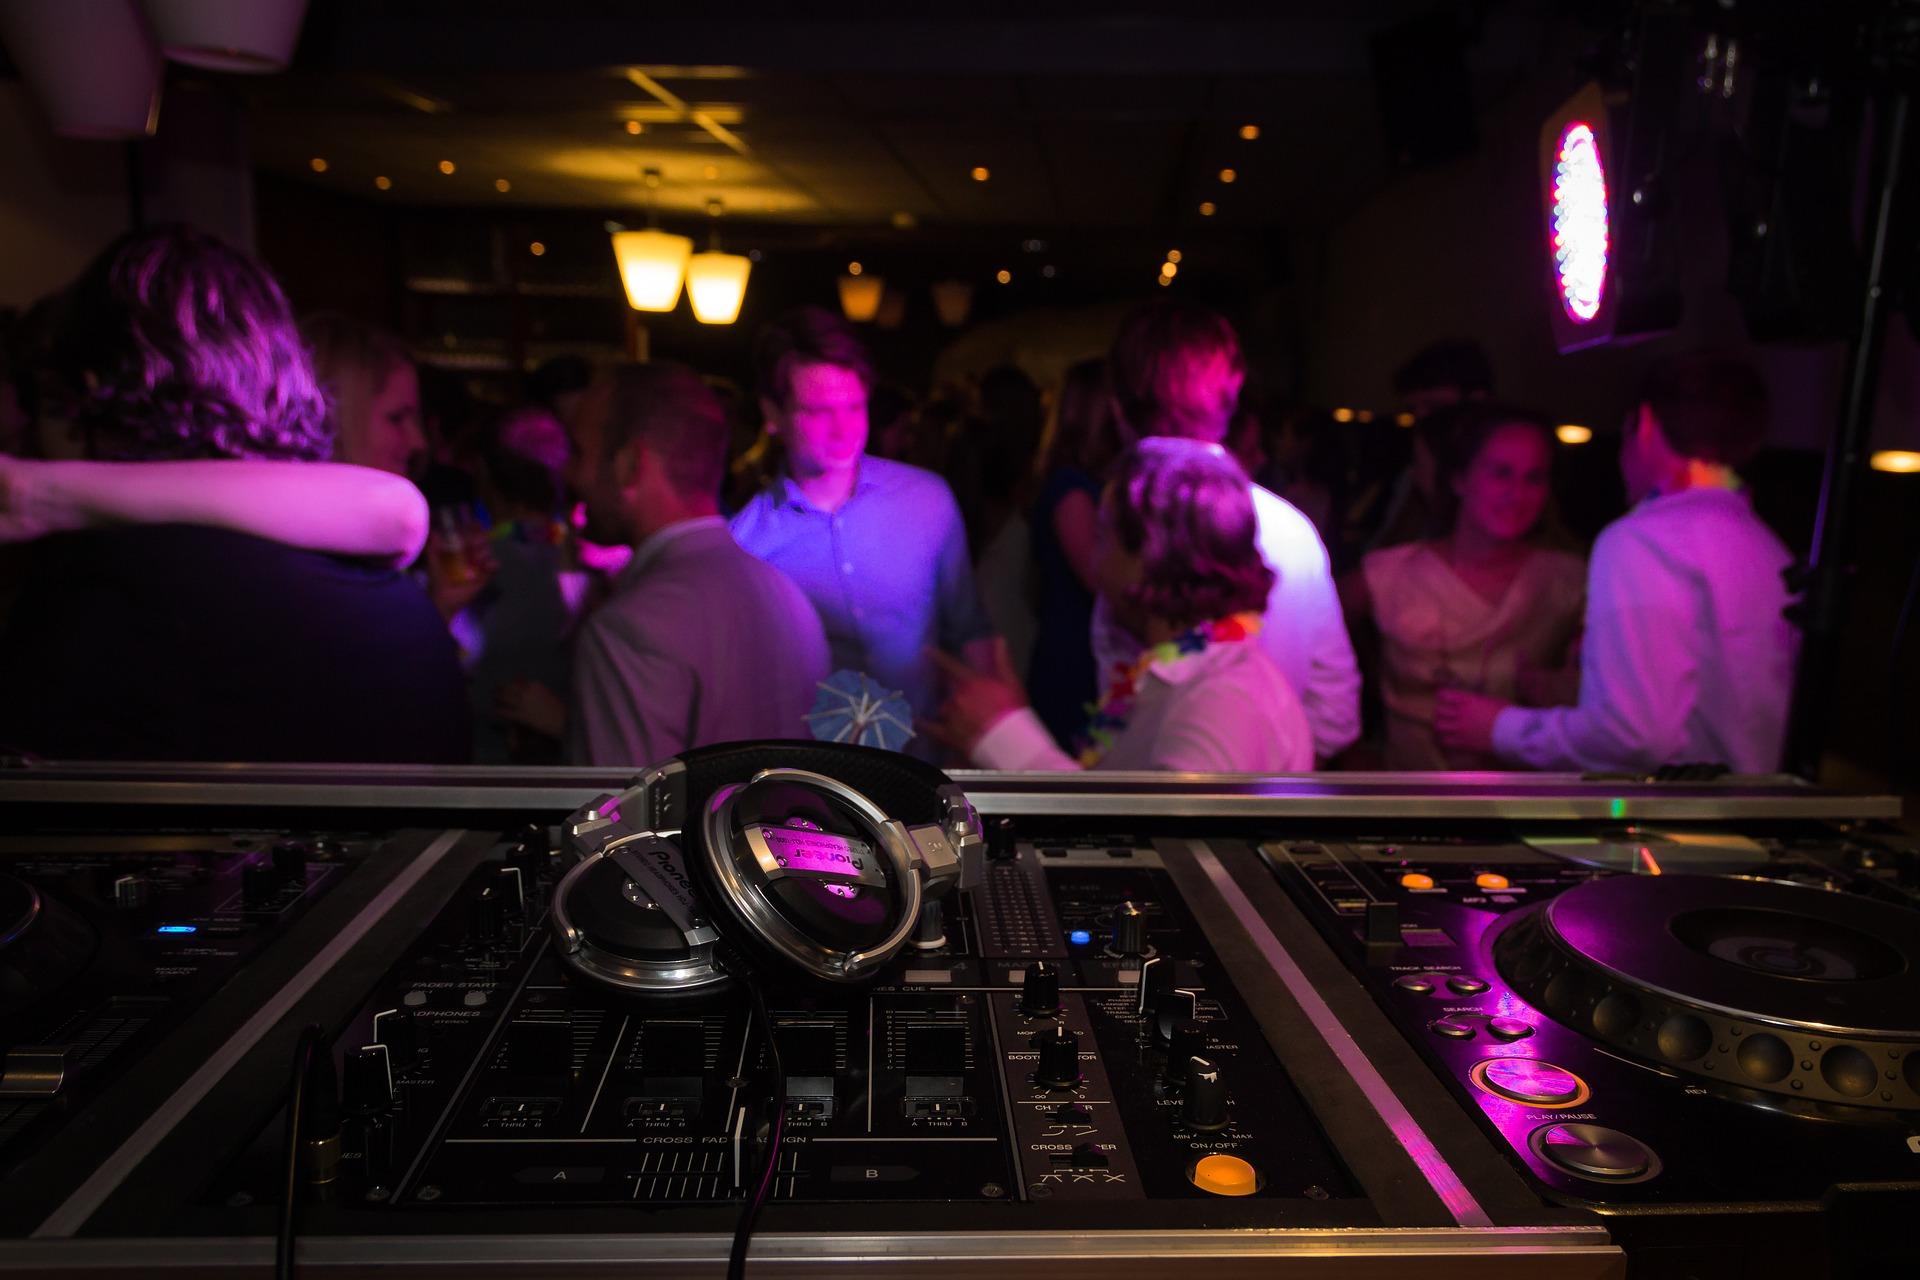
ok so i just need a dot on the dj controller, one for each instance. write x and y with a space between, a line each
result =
850 1015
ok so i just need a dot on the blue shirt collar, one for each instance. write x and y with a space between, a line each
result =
786 493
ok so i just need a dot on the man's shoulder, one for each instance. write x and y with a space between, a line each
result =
904 478
1285 529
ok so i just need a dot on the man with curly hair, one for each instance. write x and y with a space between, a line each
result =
183 637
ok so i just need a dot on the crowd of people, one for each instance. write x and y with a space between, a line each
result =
245 538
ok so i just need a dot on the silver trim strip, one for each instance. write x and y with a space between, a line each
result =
1535 797
91 1194
1564 1249
1433 1166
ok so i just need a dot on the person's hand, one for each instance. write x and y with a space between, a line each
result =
459 567
976 700
26 506
531 705
1463 720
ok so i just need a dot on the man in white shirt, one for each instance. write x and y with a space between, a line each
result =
1177 371
1688 657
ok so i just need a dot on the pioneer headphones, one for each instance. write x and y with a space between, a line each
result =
779 857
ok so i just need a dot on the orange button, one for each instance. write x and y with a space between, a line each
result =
1416 880
1225 1176
1491 880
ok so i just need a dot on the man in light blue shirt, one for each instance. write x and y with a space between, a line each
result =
878 546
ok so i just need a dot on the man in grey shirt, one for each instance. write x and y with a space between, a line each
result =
700 642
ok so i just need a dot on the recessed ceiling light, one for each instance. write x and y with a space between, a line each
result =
1004 276
1404 419
1249 132
634 126
446 166
1048 271
904 221
1169 269
502 185
1343 415
383 182
1173 255
1572 433
1228 175
317 165
1165 280
854 268
981 173
1207 208
537 249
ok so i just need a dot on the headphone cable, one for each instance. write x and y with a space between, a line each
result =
762 1187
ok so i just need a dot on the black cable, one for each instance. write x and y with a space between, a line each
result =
757 1195
303 1057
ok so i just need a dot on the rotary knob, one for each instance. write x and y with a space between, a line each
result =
487 914
1129 931
1002 844
1158 978
1059 1065
290 861
402 1033
1205 1106
1189 1042
930 930
1040 990
366 1081
130 892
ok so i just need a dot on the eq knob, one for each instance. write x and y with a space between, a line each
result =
1059 1065
366 1081
930 930
487 914
130 893
1129 931
290 861
1157 980
1189 1042
1205 1104
1002 846
1040 990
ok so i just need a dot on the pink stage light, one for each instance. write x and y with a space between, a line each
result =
1579 231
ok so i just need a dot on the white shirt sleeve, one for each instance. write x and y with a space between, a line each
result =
1639 671
1331 697
1305 630
1020 741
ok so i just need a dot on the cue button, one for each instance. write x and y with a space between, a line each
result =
1418 983
1529 1080
1452 1028
1492 880
1509 1028
1416 880
1593 1151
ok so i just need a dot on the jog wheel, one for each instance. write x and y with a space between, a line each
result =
43 945
1751 983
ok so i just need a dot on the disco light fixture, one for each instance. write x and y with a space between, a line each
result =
1578 232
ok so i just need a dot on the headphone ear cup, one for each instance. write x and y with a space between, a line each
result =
908 789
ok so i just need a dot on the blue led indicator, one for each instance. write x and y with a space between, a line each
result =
179 928
1079 937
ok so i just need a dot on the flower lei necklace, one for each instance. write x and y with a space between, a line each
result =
1108 718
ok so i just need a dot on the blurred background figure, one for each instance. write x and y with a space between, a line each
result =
1483 605
373 390
171 641
1180 567
992 470
1400 508
1085 440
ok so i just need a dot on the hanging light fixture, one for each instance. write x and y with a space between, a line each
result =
254 36
93 68
652 262
953 299
716 281
860 293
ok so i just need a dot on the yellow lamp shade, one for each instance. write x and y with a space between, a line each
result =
953 299
860 297
652 265
717 285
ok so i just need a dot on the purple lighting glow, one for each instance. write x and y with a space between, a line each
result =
1579 232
